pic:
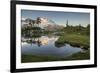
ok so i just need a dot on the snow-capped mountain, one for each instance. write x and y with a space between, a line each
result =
41 22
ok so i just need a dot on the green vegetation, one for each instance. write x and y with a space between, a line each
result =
75 40
31 31
80 56
34 58
77 29
77 36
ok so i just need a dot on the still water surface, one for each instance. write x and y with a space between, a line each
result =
46 46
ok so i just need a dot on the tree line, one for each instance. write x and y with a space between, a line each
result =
79 29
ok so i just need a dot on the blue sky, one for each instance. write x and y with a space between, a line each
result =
74 18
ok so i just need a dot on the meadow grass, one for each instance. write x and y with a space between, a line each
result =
77 40
34 58
38 58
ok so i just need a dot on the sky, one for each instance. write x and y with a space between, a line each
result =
60 18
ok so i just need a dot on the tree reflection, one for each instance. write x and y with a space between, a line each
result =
59 45
37 39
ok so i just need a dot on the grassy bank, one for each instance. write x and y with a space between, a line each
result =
34 58
39 58
77 40
79 56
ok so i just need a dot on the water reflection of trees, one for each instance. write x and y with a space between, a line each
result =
35 39
59 45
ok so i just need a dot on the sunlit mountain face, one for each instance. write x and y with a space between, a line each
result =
41 22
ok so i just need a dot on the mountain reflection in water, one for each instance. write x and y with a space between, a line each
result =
45 45
44 40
